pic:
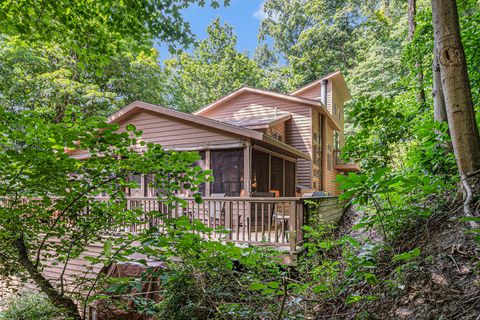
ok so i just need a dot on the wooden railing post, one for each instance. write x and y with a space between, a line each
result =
228 219
301 221
292 226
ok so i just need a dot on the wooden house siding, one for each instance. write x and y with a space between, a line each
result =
249 105
331 173
313 92
340 116
168 131
280 128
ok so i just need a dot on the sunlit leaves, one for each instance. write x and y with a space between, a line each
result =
98 30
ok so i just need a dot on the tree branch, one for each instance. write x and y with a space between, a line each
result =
57 299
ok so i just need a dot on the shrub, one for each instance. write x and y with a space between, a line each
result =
29 306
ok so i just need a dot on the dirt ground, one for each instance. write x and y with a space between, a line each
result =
445 284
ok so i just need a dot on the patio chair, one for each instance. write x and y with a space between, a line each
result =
280 221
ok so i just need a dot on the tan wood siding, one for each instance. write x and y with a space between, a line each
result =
340 116
279 128
314 92
330 186
169 131
298 132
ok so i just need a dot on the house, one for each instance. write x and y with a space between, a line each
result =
255 140
267 150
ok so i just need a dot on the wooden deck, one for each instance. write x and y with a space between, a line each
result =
276 222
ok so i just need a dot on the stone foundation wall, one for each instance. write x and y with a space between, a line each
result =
327 210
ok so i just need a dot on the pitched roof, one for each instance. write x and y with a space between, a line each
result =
259 123
336 76
135 106
308 102
269 93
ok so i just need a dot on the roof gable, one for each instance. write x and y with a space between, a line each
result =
134 108
260 92
339 84
272 95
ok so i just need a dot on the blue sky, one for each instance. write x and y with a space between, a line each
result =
244 15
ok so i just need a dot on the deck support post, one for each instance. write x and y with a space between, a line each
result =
292 226
247 168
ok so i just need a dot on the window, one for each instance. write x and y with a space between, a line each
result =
334 107
277 135
227 167
336 140
140 189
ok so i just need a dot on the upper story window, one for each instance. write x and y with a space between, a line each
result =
277 135
336 140
335 110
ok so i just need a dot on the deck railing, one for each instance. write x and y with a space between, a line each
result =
266 221
261 221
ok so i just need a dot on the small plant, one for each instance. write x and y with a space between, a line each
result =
30 306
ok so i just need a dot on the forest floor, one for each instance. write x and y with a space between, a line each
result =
444 282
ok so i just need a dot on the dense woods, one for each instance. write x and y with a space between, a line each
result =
408 245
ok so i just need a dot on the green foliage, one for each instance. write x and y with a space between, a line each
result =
98 30
213 279
214 69
30 306
321 36
44 188
45 78
379 124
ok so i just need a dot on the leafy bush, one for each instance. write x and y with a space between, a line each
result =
30 306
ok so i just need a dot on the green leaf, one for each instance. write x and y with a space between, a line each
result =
257 286
107 248
407 256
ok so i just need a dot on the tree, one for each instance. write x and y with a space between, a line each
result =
320 36
412 12
40 77
214 69
96 30
457 91
439 109
43 189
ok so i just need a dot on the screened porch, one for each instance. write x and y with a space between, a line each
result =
238 172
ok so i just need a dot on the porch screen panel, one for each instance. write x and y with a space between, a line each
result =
289 179
227 167
277 175
260 177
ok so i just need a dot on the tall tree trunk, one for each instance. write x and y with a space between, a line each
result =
412 12
439 109
60 301
457 91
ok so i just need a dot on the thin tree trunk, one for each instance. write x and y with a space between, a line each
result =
60 301
457 91
412 11
439 109
412 26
